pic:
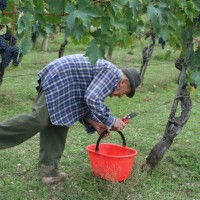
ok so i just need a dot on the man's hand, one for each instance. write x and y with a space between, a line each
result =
118 125
99 127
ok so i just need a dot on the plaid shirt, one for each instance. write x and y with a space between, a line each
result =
75 89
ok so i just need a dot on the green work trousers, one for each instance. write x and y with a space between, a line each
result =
52 138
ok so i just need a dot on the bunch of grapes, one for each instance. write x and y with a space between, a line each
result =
8 36
162 42
6 58
3 5
9 53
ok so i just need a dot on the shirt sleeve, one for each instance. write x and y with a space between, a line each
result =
89 128
102 85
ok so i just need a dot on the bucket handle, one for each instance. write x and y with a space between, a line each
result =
103 134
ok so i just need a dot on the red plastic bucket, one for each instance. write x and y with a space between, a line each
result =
111 162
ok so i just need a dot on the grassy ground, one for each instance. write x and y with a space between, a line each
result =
176 177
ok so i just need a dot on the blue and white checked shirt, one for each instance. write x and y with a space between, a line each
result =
74 89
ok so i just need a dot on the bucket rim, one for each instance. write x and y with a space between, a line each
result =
111 156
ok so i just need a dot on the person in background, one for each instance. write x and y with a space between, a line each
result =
70 89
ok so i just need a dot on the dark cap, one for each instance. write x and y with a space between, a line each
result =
134 79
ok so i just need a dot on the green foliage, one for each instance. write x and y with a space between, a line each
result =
104 24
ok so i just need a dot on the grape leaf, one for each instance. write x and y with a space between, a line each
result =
82 13
117 6
25 45
119 24
82 4
85 15
156 14
134 6
105 25
123 2
194 67
94 51
196 3
24 22
193 61
50 29
57 6
165 33
71 21
78 32
152 13
195 76
5 20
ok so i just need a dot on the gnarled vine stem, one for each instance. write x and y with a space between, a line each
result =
174 124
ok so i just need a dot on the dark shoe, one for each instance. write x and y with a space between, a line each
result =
62 176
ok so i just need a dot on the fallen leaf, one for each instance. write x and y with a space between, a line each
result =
148 99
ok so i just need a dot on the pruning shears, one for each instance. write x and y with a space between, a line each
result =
126 118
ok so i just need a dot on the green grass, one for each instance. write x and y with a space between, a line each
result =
176 177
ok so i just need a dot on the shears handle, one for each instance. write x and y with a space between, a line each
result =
125 120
